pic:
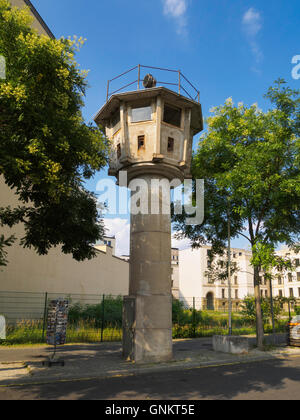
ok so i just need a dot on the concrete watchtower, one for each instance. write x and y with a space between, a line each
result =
151 131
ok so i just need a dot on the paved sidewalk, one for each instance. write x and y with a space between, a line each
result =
20 366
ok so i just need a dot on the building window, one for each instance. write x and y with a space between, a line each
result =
141 142
210 279
280 293
266 293
279 280
236 280
141 114
298 276
236 294
290 277
172 115
297 262
298 291
223 293
291 292
170 144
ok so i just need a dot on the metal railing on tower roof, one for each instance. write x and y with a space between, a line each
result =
182 84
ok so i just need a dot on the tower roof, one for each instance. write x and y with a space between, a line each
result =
114 101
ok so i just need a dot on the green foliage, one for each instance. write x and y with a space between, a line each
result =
5 242
112 311
250 162
264 256
297 310
248 309
47 150
249 159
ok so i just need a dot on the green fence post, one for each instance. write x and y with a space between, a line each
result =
194 318
103 313
45 316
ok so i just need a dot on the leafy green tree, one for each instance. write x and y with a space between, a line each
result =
250 162
264 256
248 309
47 151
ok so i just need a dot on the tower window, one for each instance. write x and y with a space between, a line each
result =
170 144
172 115
119 151
141 114
141 142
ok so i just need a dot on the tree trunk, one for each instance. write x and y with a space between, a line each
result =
259 318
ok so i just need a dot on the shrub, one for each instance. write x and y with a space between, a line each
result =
112 312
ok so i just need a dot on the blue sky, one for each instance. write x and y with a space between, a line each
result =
227 48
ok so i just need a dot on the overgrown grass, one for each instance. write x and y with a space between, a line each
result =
31 332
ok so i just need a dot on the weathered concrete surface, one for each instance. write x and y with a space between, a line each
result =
271 339
243 344
230 344
153 150
147 316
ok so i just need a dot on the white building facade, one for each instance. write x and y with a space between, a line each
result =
196 286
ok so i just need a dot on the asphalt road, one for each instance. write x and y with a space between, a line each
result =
268 380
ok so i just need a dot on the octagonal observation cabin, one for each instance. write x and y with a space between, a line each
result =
151 129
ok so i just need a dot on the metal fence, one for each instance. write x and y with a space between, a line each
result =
98 318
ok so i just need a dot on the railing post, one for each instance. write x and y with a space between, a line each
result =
179 82
107 92
102 323
45 316
139 76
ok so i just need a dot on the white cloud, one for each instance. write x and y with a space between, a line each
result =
177 9
252 24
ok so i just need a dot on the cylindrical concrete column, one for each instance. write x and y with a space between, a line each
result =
148 309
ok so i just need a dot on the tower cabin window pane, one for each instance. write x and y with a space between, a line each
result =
172 115
141 114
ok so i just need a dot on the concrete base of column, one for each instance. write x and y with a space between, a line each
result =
147 336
